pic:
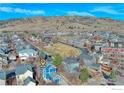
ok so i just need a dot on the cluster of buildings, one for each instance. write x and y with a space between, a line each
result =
13 51
111 44
107 54
3 49
25 75
102 53
22 75
25 51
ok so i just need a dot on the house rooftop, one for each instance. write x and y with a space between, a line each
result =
2 75
10 74
28 51
71 60
28 80
49 70
23 68
89 60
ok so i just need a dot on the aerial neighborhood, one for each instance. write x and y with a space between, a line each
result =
76 55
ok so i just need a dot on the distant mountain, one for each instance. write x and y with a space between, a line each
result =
62 23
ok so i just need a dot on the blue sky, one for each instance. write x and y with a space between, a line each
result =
14 10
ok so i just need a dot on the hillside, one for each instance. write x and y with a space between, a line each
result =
62 23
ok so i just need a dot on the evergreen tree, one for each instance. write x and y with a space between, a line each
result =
57 60
84 75
113 75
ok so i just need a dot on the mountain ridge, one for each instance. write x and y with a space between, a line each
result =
62 23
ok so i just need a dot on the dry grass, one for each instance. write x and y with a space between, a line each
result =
63 50
90 24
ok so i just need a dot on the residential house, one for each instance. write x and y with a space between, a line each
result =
27 53
2 78
71 65
23 72
50 74
29 81
89 59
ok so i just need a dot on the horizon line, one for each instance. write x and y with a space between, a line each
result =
7 19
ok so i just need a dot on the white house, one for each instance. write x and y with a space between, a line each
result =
27 53
22 72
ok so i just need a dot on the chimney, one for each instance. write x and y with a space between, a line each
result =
17 60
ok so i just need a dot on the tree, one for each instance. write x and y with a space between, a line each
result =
57 60
84 75
26 32
34 34
71 27
113 75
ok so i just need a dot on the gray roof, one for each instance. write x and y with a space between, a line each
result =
23 68
72 64
29 79
2 75
89 60
1 50
70 60
29 51
10 74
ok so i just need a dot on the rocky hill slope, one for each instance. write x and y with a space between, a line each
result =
62 23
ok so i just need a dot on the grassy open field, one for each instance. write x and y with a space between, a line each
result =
63 50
